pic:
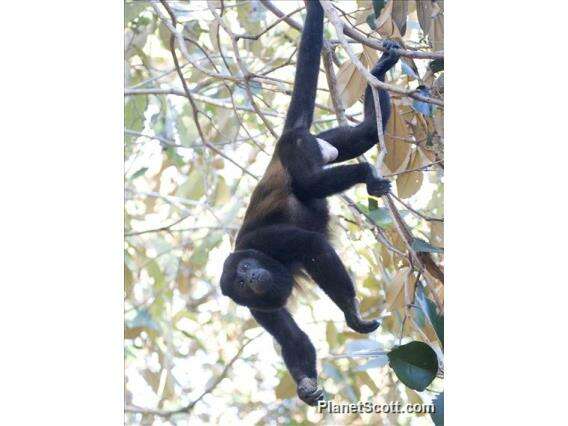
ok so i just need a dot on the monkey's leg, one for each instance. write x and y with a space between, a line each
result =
297 349
326 268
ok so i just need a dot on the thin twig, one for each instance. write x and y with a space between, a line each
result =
244 71
163 228
197 96
280 19
189 96
417 213
418 169
187 409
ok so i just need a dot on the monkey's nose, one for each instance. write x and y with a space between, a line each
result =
257 284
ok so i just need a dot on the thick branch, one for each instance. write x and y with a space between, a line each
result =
332 84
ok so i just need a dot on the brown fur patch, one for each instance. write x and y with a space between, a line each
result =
271 194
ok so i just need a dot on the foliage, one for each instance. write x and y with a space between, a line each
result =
415 364
184 203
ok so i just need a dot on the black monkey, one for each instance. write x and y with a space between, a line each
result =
285 226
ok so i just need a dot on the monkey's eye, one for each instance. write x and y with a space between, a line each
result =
245 266
242 282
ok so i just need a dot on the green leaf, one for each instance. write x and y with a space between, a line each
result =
423 108
331 334
139 173
437 65
132 10
134 112
329 370
156 273
415 364
373 204
200 255
193 29
222 192
186 127
143 320
380 216
363 345
371 21
194 187
438 414
286 388
429 309
251 16
419 245
378 6
375 362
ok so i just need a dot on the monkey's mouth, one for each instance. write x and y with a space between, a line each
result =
260 282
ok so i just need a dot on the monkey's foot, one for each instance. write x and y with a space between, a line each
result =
309 391
355 321
378 187
363 326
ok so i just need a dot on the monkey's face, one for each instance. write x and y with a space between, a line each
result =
255 280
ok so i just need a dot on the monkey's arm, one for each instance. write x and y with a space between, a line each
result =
317 182
297 350
354 141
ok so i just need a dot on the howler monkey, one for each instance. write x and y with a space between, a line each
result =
285 226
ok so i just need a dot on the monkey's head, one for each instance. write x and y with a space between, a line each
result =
255 280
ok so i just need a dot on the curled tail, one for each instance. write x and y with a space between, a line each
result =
301 110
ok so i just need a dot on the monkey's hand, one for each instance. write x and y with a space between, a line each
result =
391 46
378 187
355 321
309 391
390 57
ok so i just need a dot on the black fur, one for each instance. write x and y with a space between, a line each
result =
285 227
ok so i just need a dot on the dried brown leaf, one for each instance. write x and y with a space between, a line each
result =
408 184
399 15
398 151
386 25
351 83
395 290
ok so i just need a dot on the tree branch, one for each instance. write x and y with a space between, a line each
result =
355 35
187 408
188 94
196 96
374 82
